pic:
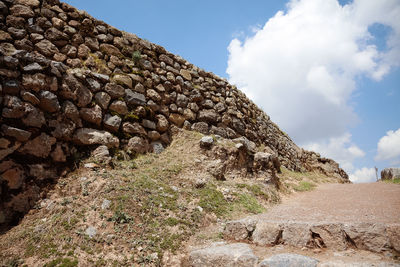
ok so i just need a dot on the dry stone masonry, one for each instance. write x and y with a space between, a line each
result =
68 80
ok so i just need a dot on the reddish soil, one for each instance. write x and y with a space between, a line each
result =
370 202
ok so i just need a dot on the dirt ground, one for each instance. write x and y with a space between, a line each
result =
369 202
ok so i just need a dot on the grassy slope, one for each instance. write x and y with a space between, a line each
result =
155 208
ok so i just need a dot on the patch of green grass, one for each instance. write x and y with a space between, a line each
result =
304 186
136 56
212 200
393 181
255 189
250 203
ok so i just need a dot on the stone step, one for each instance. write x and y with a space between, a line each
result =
375 237
242 255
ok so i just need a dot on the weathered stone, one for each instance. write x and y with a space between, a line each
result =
218 131
149 124
94 85
19 134
92 43
49 101
208 115
62 130
222 255
87 136
133 98
83 51
110 50
111 122
189 114
31 98
46 48
208 104
267 233
182 100
176 119
34 117
393 231
93 115
102 99
133 128
240 230
58 154
206 142
39 146
162 123
14 108
166 59
14 177
153 135
153 95
17 33
119 107
115 90
201 127
4 143
70 111
11 87
54 34
41 172
140 88
369 236
220 107
5 36
138 145
101 153
249 145
84 96
9 150
31 3
332 235
186 74
296 234
284 260
22 11
121 79
157 147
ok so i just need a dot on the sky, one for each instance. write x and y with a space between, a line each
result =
326 71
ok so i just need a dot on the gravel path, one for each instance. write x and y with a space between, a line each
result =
355 203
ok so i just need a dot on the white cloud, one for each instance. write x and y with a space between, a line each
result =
389 147
339 148
301 67
364 175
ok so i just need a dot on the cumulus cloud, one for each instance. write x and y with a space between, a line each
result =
339 148
301 67
389 147
364 175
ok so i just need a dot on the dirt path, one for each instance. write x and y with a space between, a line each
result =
371 202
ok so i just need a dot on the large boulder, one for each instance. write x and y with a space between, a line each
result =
390 173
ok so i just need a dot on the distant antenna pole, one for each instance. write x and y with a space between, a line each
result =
376 173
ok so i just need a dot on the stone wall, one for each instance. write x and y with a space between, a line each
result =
390 173
69 80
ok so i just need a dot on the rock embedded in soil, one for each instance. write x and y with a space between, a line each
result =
289 260
221 255
206 142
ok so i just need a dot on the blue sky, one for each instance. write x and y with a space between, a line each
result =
334 87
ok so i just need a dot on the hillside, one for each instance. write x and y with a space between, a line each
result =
146 210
